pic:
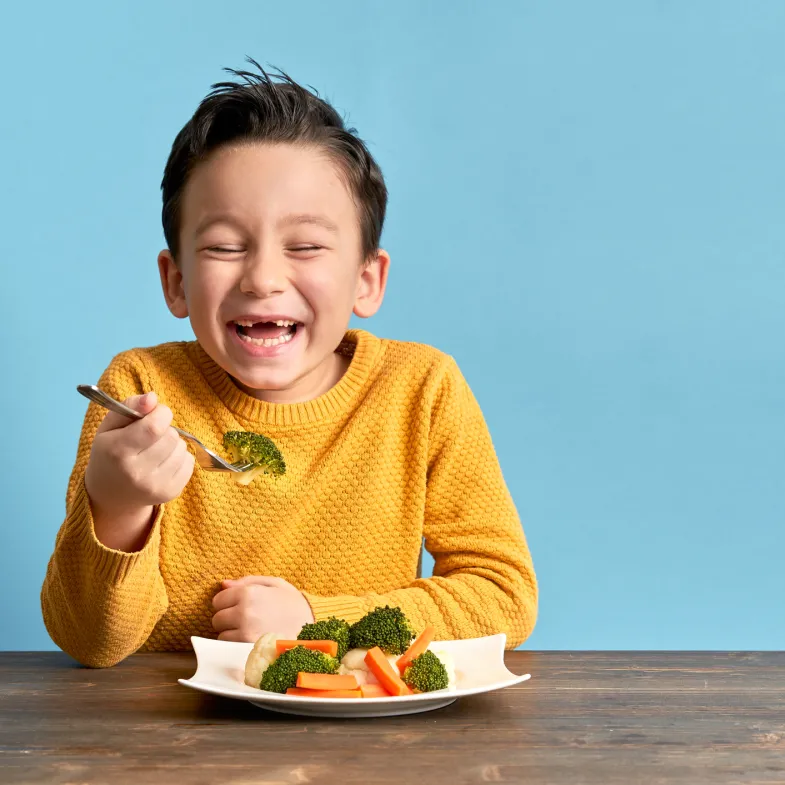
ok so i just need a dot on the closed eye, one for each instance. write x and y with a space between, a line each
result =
307 248
222 249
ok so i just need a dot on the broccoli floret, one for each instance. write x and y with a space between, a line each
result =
332 629
256 449
426 673
282 673
385 627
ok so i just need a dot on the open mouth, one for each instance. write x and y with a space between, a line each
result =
266 333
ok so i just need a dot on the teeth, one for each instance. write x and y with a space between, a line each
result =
279 323
268 341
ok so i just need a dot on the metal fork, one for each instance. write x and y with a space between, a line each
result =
207 459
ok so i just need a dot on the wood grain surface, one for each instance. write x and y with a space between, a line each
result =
584 717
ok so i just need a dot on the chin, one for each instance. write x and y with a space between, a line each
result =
266 382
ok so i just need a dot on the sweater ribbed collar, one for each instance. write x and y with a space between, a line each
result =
364 349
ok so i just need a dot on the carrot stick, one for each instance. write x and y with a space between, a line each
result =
379 666
326 681
373 691
324 693
328 647
417 648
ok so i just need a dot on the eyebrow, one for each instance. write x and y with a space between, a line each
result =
293 219
211 220
297 219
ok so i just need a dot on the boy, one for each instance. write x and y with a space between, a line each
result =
272 213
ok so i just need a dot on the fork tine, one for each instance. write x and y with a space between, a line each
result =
219 463
212 462
207 458
204 460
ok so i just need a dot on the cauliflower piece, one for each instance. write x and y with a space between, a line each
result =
363 677
353 664
262 654
447 661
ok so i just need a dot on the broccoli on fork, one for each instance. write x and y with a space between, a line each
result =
256 449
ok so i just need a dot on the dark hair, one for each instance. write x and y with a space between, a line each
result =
274 109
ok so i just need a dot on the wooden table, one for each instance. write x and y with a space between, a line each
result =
585 717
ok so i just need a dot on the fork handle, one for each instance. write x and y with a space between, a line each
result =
97 395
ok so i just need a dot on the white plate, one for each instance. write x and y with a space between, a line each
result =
479 667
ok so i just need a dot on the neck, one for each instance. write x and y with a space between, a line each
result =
323 378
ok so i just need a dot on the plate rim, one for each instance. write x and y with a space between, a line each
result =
390 700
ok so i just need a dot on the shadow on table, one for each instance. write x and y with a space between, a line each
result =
470 710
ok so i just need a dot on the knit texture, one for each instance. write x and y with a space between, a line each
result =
396 452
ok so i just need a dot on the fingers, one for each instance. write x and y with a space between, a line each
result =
160 451
176 469
143 404
254 604
230 626
186 469
228 598
143 434
233 590
226 619
236 635
132 438
166 454
141 464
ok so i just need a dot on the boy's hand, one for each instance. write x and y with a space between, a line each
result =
134 465
249 607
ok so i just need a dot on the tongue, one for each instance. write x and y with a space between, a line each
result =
266 330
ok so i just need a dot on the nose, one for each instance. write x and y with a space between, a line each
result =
265 274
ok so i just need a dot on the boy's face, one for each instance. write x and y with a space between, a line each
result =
271 233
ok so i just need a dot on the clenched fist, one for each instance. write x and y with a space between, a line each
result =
251 606
134 466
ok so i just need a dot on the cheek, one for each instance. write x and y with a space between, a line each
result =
206 286
329 289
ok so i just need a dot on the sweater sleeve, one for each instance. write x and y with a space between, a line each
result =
483 579
100 605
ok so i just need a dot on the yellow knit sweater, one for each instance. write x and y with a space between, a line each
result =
396 452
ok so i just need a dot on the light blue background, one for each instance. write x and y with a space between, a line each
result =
587 210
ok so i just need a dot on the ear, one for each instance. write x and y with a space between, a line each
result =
371 285
172 284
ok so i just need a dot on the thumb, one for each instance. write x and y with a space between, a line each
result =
143 404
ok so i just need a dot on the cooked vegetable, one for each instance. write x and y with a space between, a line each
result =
373 691
282 673
256 449
380 666
426 673
390 664
263 653
328 647
353 664
326 681
388 628
417 648
332 629
448 661
324 693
